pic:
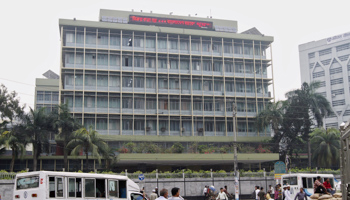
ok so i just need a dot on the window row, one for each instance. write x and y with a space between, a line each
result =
163 63
166 125
93 81
47 96
171 43
163 104
78 187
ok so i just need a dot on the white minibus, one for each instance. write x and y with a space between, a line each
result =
306 181
67 185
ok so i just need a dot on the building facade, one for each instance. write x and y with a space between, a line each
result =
146 77
327 61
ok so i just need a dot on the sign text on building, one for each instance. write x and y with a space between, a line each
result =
135 19
337 38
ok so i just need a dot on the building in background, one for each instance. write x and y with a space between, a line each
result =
149 81
327 61
47 96
145 77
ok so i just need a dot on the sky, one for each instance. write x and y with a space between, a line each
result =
30 40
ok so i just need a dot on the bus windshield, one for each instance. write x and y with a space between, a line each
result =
290 180
27 182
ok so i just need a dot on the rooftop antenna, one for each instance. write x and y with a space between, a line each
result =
189 15
210 14
151 11
170 13
141 10
132 10
195 14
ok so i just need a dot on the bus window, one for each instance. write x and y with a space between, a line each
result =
59 185
310 184
304 182
100 188
90 188
27 182
78 188
52 187
290 180
122 188
113 188
71 187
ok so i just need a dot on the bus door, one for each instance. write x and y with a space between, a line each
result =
56 187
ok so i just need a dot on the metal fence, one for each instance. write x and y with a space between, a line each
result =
7 175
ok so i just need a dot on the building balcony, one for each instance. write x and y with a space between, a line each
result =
114 132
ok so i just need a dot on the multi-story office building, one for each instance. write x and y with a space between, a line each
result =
47 97
327 61
139 77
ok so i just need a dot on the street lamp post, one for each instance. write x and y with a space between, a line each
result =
234 138
235 151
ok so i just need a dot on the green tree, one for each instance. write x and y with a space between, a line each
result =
177 148
10 107
65 124
16 141
88 141
271 115
304 101
326 145
38 126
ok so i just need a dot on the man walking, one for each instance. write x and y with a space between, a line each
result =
175 192
153 195
163 194
261 194
301 195
205 192
287 193
222 195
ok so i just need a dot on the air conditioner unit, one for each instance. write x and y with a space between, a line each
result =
200 129
148 128
162 129
334 95
182 129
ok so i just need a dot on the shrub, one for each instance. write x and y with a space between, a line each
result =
177 148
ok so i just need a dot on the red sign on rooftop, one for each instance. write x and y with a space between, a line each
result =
134 19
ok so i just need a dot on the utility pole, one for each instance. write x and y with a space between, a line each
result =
234 138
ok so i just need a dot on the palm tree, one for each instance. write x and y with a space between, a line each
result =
271 115
65 124
38 125
307 100
326 145
16 141
88 141
111 157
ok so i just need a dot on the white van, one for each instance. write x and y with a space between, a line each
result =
67 185
306 181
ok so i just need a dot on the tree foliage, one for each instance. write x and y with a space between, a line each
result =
325 145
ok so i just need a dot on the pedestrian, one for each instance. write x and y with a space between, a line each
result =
261 194
141 197
157 191
222 195
163 194
279 191
257 192
153 195
205 192
226 192
287 193
276 193
268 195
283 192
272 190
175 194
301 195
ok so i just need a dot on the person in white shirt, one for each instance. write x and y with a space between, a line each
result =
163 194
222 195
257 192
175 192
272 190
205 191
287 193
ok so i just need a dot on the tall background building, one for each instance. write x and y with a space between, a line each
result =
148 81
327 61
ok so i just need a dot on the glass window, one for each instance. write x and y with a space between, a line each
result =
151 104
195 46
290 180
114 40
70 37
162 63
127 124
138 61
102 81
114 102
71 187
185 64
113 188
127 102
162 44
27 182
89 188
150 43
138 42
127 82
59 187
139 82
173 64
40 96
139 125
139 103
47 96
151 63
196 65
173 44
183 45
52 187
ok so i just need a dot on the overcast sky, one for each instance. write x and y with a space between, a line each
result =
29 35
